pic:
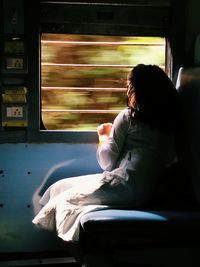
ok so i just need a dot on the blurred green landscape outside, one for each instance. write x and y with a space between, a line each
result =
83 77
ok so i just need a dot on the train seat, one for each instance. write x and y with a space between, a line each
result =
176 223
113 228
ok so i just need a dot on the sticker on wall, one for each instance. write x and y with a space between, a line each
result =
14 116
14 64
14 110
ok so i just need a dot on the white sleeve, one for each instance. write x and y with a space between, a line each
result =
109 152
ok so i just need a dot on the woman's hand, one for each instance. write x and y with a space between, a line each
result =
104 130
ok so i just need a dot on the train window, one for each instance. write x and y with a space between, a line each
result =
83 76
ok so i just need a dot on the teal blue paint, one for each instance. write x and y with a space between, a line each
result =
26 170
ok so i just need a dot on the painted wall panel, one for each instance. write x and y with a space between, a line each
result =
26 171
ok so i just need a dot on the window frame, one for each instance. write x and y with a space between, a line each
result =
50 22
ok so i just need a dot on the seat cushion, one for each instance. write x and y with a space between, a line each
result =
117 227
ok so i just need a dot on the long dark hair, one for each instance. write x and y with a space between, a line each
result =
156 98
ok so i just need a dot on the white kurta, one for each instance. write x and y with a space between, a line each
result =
133 160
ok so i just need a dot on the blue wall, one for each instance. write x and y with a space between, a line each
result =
26 170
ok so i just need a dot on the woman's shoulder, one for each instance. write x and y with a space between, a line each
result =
126 116
122 120
125 113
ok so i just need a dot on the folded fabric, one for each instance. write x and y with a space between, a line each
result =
64 204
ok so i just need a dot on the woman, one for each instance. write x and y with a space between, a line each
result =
141 144
133 152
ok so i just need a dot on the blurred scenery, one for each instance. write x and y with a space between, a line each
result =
83 77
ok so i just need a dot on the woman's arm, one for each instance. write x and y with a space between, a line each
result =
112 140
